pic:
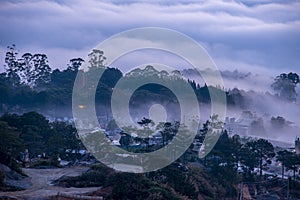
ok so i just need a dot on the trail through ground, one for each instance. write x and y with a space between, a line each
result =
42 187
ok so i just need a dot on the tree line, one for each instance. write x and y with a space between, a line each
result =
30 83
34 133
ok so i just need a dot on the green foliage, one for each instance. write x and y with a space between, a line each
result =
179 181
34 132
10 142
235 98
63 136
45 163
75 63
283 157
222 161
263 150
96 58
167 132
122 185
29 84
167 183
2 178
12 66
111 76
29 69
289 160
53 90
103 168
129 186
136 186
87 179
285 85
95 177
125 140
248 158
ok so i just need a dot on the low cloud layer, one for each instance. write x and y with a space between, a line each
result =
243 33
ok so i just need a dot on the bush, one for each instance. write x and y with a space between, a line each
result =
88 179
136 186
2 178
44 162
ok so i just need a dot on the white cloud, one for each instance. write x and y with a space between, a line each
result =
257 34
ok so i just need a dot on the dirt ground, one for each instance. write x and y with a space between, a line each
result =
41 180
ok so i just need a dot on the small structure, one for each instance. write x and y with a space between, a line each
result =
24 156
297 145
240 126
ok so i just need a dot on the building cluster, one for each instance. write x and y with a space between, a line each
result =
240 126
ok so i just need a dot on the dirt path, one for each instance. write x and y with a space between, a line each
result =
41 183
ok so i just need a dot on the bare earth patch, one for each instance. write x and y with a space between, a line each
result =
41 180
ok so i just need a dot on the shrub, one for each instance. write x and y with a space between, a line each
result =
2 178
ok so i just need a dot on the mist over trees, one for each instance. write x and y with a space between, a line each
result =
34 132
30 69
289 161
29 84
285 85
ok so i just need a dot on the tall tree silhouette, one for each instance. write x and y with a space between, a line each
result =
285 85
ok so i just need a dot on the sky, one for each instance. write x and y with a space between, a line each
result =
260 36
